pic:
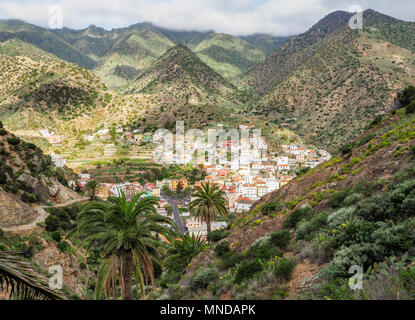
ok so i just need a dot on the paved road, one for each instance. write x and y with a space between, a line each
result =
174 202
43 214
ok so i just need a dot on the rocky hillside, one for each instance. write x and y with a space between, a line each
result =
333 80
181 74
300 241
27 177
39 90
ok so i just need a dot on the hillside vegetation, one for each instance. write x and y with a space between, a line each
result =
300 241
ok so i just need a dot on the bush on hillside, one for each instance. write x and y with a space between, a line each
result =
247 269
202 278
281 238
217 235
222 248
284 268
296 216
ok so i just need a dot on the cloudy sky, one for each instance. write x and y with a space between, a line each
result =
238 17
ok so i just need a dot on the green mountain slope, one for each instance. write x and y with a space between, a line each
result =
230 56
181 74
136 50
339 81
265 42
43 39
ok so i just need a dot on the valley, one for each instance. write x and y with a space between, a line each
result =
328 185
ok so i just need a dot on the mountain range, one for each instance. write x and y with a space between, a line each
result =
329 82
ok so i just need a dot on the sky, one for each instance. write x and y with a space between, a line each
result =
236 17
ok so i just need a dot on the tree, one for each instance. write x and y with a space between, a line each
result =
20 281
210 202
126 233
169 209
183 250
92 187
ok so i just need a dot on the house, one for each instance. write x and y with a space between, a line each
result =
175 183
45 133
103 132
162 212
55 140
249 191
262 189
243 204
84 176
283 167
57 160
156 192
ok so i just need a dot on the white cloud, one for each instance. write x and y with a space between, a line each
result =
239 17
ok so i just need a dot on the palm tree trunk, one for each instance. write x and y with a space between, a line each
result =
128 268
209 227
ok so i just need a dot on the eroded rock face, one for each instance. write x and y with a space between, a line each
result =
74 278
14 212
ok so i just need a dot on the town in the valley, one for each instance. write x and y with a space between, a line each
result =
254 175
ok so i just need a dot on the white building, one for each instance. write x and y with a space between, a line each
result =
243 204
58 160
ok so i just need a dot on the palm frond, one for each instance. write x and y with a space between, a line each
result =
21 281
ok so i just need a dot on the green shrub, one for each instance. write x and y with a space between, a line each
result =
340 217
281 238
169 277
296 216
52 223
364 187
306 228
57 236
229 260
3 132
410 109
345 149
13 141
63 246
337 198
217 235
284 268
270 207
377 208
28 197
353 199
222 248
247 269
202 278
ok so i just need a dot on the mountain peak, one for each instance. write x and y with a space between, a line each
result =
95 32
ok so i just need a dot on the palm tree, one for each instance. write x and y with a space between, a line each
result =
183 250
92 187
127 233
210 202
20 281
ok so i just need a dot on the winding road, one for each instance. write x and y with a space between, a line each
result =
43 214
174 202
